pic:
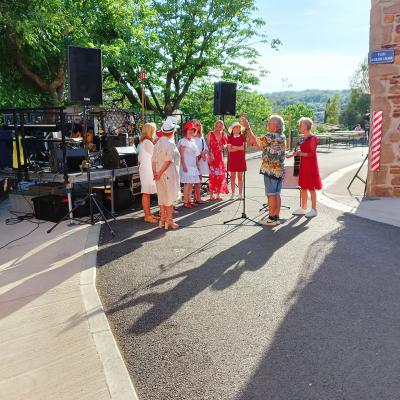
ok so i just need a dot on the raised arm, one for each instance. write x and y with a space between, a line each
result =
251 137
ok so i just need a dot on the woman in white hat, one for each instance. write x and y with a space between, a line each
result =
165 161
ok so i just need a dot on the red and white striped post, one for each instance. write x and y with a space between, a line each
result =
375 142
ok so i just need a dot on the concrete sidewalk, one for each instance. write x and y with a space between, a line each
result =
336 194
55 342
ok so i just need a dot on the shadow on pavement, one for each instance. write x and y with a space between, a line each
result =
340 339
219 272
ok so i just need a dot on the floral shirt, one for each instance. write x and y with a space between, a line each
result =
273 154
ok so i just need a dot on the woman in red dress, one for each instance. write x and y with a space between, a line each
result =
309 178
216 141
236 159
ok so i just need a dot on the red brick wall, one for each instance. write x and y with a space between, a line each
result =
385 96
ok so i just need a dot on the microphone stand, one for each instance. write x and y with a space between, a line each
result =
244 216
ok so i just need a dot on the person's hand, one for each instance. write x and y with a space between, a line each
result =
288 155
156 176
243 121
184 167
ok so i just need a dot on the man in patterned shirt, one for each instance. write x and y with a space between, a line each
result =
273 146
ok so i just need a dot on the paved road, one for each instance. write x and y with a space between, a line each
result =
309 310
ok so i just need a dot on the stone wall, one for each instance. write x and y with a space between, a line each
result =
385 96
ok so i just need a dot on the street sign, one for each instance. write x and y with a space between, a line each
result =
381 56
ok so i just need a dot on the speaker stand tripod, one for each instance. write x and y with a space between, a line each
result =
93 203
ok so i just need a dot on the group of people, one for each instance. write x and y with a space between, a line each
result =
165 165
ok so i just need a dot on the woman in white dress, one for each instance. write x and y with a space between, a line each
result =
148 186
201 144
165 163
189 171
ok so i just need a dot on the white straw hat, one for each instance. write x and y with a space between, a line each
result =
230 129
169 125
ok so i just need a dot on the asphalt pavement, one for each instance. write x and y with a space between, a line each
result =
307 310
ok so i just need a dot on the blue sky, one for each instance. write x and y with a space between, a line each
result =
323 42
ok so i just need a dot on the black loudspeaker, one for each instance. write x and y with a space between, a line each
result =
85 75
110 141
120 157
75 158
50 208
224 98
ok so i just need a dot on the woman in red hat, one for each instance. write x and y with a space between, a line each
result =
216 142
189 169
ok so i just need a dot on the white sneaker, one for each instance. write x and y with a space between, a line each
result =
239 196
270 222
299 211
312 213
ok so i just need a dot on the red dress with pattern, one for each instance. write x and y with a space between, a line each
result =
309 177
216 165
236 159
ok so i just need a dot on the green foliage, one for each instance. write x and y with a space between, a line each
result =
359 105
360 79
296 111
314 99
177 42
34 35
332 110
190 40
199 104
360 99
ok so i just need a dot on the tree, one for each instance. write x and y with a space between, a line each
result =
355 111
177 42
296 111
359 100
360 79
199 104
189 40
332 110
34 35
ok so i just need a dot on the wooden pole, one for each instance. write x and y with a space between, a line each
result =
290 132
142 104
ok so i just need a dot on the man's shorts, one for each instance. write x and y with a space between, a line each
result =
273 186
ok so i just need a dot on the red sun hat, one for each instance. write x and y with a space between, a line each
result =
189 125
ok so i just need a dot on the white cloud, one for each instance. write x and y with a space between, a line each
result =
314 69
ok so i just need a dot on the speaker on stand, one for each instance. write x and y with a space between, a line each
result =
85 76
224 98
85 80
225 103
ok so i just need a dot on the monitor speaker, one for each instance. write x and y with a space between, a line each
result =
85 75
120 157
224 98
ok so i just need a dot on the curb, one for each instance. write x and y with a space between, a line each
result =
117 377
356 211
329 181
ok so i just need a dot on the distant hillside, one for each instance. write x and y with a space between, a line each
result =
315 99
